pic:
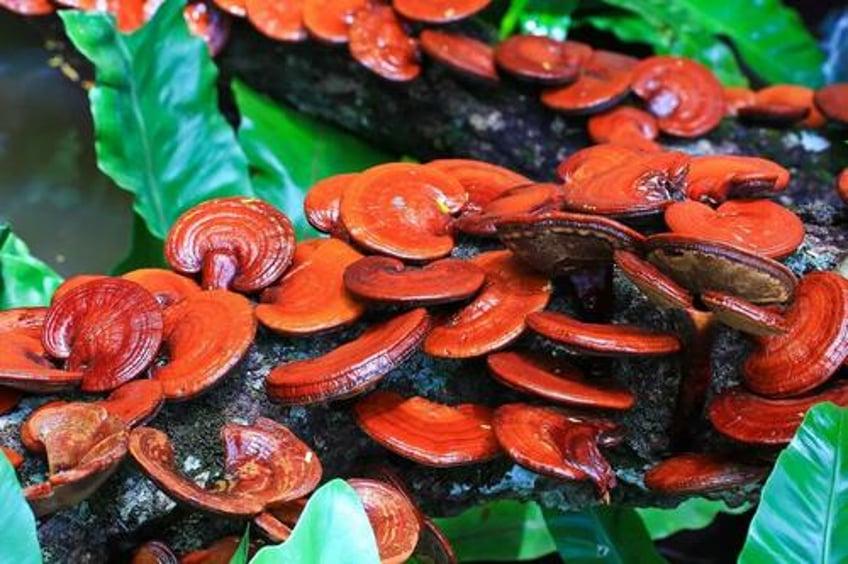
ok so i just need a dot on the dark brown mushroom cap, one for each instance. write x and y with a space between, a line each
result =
427 432
743 315
701 266
555 444
601 339
265 464
528 199
438 11
388 280
659 288
832 101
693 473
465 56
542 60
556 380
352 368
603 82
154 552
109 329
84 446
753 419
167 286
135 403
24 366
239 243
379 42
281 20
392 516
27 320
716 178
813 348
558 242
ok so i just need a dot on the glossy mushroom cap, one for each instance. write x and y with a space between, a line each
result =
278 19
29 7
329 20
604 82
626 126
693 473
24 366
542 60
352 368
528 199
109 329
716 178
392 516
782 104
265 464
240 243
832 101
322 201
166 286
744 316
235 8
428 432
659 288
379 42
737 97
483 182
135 403
26 320
438 11
465 56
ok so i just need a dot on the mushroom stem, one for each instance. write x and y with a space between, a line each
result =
220 267
696 377
594 289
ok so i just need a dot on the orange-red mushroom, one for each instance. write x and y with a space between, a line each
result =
392 516
527 199
465 56
693 473
716 178
379 42
278 19
603 83
166 286
542 60
832 101
135 403
329 20
321 204
438 11
626 126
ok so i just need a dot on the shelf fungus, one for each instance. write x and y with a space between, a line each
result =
695 473
557 444
428 432
84 445
329 21
278 19
352 368
542 60
392 516
379 42
29 7
832 101
528 199
715 178
737 97
604 81
237 243
265 464
495 317
135 403
322 201
483 182
627 126
108 329
166 286
438 11
25 366
311 297
464 56
783 104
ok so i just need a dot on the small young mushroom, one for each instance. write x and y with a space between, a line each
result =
554 379
760 226
483 182
832 101
265 464
135 403
109 329
716 178
428 432
783 104
686 97
557 444
329 20
438 11
29 7
379 42
403 210
322 201
495 317
205 335
281 20
392 517
696 473
311 296
627 126
352 368
387 280
465 56
166 286
235 243
752 419
529 199
25 366
209 24
542 60
603 83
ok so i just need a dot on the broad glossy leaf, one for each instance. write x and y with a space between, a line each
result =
502 531
18 539
160 134
24 280
803 511
538 17
333 529
289 152
602 534
146 251
693 514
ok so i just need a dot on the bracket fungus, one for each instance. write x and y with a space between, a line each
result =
832 101
604 81
483 182
393 518
352 368
428 432
322 201
783 104
329 21
529 199
29 7
136 402
695 473
237 243
24 320
465 56
278 19
265 464
542 60
24 366
438 11
379 42
627 126
166 286
716 178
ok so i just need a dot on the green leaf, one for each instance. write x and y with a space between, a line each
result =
24 280
802 515
602 534
499 531
551 18
771 38
159 132
241 555
18 538
333 529
693 514
146 251
288 152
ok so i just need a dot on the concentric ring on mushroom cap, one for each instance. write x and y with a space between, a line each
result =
528 199
692 473
749 418
237 242
463 55
438 11
321 204
542 60
716 178
482 181
700 265
379 42
427 432
265 464
135 402
558 242
27 320
627 126
109 329
167 286
813 348
351 368
392 516
556 380
603 82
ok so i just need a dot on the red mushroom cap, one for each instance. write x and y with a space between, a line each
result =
465 56
428 432
716 178
784 104
392 516
603 83
29 7
832 101
542 60
842 185
237 242
529 199
278 19
483 182
24 366
321 205
219 552
166 286
380 43
659 288
135 403
14 457
237 8
329 20
154 552
73 282
109 329
352 368
438 11
693 473
625 126
736 98
26 320
743 315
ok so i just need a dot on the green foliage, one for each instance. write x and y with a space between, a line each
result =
24 280
159 132
146 251
693 514
538 17
499 531
333 529
241 555
289 152
602 534
802 515
18 539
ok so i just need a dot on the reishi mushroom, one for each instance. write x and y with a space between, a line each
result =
716 178
624 125
329 21
542 60
438 11
694 473
604 81
379 42
278 19
525 199
465 56
393 519
832 101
